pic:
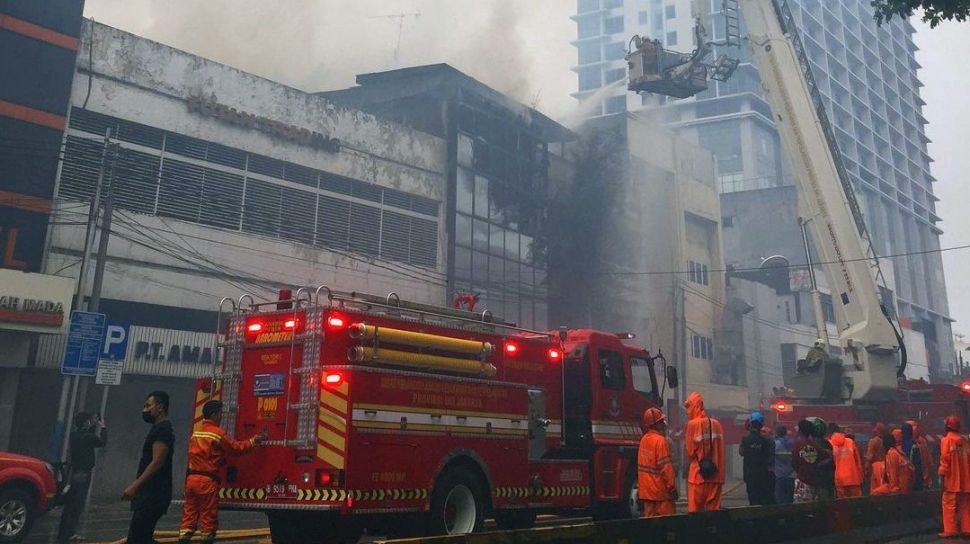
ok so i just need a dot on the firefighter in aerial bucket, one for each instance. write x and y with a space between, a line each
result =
815 357
208 447
656 481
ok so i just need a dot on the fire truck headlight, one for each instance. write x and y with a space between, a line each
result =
965 387
333 379
254 327
289 324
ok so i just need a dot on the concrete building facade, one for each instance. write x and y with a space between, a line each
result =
660 248
222 183
867 76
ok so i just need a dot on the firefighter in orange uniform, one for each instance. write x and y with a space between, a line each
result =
208 448
656 477
848 466
876 457
899 470
955 480
704 442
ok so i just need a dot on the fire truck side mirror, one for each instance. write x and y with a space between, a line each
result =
672 380
563 333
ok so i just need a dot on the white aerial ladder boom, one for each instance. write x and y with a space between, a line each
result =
869 339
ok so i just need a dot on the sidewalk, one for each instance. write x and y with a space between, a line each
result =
106 522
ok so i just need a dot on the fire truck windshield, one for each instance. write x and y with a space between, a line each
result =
644 378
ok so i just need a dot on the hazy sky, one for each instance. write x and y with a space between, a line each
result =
520 47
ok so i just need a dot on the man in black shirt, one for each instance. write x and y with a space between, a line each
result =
151 492
89 434
759 454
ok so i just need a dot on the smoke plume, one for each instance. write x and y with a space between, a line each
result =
520 48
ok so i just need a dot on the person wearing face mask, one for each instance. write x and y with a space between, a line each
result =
90 433
151 492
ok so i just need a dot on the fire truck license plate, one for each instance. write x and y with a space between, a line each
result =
281 491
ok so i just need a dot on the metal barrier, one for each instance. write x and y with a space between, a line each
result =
916 512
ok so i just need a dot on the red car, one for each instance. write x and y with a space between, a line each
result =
28 489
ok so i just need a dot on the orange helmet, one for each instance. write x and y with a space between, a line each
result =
652 416
952 423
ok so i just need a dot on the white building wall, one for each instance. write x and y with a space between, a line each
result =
145 82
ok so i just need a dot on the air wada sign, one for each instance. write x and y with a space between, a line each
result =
34 302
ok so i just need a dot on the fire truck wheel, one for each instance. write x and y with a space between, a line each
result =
456 504
515 519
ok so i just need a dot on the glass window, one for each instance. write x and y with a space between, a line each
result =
670 12
610 4
614 75
590 78
614 51
496 275
616 104
512 276
463 230
481 196
466 148
672 38
465 196
613 25
587 27
463 263
643 18
511 245
644 378
496 240
611 370
479 269
588 53
582 6
525 248
480 235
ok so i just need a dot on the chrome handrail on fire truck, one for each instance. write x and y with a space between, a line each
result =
311 339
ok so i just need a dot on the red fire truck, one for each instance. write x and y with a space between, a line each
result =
401 417
915 400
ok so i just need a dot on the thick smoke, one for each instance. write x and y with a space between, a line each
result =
520 48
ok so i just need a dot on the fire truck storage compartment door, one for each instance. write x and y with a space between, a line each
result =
537 423
267 377
578 400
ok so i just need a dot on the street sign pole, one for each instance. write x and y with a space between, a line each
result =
65 409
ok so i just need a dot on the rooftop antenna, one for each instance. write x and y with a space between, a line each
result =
400 26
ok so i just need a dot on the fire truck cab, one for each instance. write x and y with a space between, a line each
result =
406 418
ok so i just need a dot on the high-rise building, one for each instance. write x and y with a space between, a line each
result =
867 75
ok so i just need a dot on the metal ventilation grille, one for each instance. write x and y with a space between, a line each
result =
211 184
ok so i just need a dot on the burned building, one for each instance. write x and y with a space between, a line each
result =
644 227
497 175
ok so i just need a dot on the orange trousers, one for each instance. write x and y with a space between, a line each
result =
201 508
847 491
878 476
956 508
652 509
704 497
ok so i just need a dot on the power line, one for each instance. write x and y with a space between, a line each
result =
788 266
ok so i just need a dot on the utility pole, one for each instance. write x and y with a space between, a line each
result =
69 385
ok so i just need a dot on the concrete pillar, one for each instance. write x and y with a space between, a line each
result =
9 382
